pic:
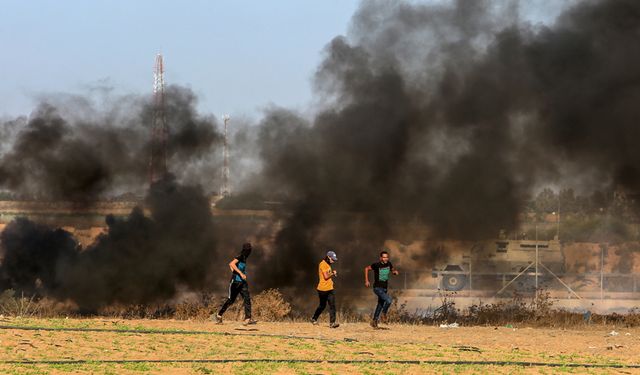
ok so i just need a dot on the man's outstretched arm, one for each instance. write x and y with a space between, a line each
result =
366 276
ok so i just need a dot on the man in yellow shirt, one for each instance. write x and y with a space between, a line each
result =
325 289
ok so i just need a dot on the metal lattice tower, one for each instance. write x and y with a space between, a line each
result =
159 129
226 189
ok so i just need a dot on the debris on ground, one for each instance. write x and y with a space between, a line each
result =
452 325
466 348
613 333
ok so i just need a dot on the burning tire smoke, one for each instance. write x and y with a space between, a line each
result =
450 116
446 117
140 260
71 149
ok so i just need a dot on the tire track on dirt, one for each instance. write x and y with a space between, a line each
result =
171 332
333 362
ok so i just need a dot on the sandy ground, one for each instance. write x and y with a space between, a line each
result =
284 341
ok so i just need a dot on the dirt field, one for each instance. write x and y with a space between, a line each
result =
146 346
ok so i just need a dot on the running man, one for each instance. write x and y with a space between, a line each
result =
238 285
381 271
325 289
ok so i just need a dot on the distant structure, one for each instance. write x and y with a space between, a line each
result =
159 129
226 189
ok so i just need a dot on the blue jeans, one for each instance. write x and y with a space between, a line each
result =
384 302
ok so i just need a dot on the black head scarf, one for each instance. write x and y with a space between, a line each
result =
246 250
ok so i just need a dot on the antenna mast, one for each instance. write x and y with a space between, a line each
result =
159 129
226 189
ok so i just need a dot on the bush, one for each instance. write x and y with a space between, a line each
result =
17 306
269 305
199 309
134 311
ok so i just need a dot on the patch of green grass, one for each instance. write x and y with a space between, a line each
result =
24 370
203 370
138 366
65 367
298 368
302 345
258 367
103 368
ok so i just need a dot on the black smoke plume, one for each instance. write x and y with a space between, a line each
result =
74 149
139 260
434 122
448 117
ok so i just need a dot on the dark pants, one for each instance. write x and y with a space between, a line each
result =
326 296
235 288
384 302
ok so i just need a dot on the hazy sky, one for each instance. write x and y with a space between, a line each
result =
238 56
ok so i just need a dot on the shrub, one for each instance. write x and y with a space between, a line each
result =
268 305
17 306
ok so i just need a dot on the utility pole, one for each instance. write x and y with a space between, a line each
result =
537 259
159 129
226 189
602 246
558 220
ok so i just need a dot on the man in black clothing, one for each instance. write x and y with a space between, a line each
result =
238 285
381 270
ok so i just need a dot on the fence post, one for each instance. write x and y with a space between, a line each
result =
470 275
405 280
601 271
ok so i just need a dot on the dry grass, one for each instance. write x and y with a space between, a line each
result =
272 306
269 305
537 312
21 306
